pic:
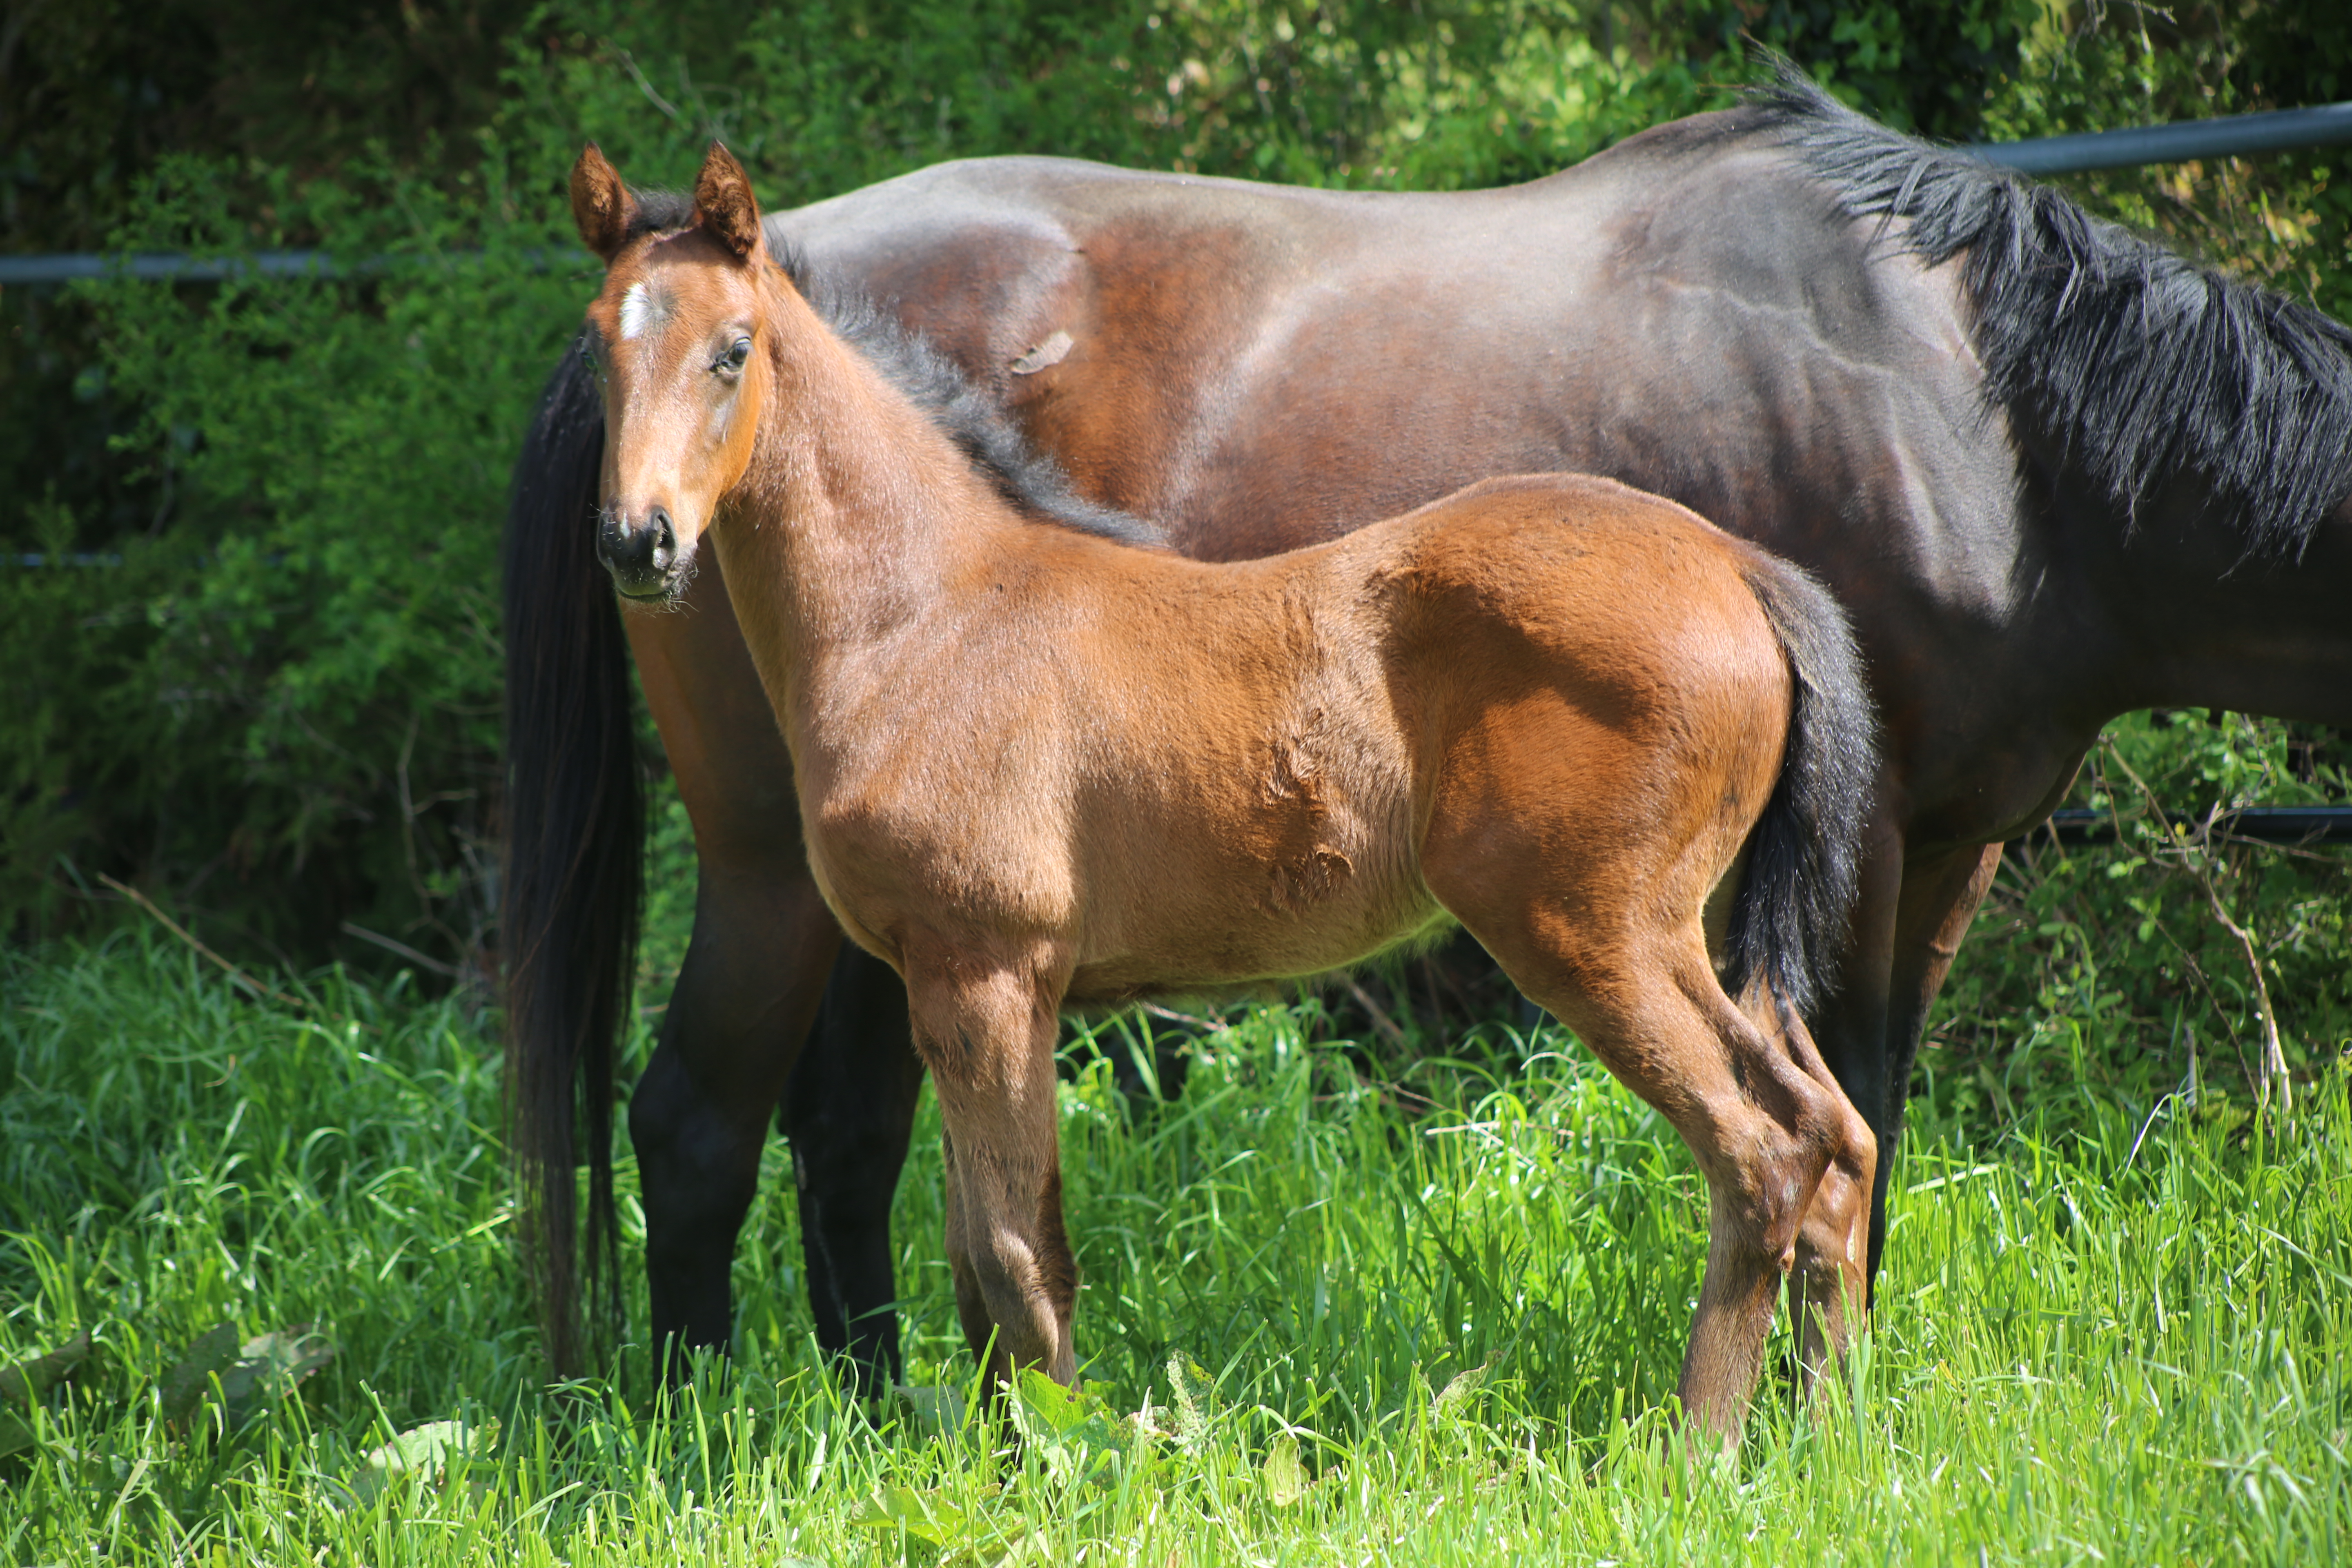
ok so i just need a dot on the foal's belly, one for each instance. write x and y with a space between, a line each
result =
1248 943
1286 854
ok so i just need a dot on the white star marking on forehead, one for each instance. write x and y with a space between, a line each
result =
643 309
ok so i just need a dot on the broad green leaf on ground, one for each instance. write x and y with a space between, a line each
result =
1195 1400
933 1409
26 1381
191 1377
1458 1390
248 1375
268 1366
924 1516
1071 1430
1285 1479
425 1452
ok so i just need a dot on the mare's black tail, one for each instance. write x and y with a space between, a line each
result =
575 832
1789 920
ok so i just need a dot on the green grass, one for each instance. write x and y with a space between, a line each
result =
2105 1334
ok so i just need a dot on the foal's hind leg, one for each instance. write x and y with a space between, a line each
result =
987 1032
1830 1279
1762 1130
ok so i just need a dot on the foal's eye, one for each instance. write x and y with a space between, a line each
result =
737 352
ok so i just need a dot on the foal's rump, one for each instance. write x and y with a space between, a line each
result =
1634 699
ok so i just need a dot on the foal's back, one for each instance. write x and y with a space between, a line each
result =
1233 773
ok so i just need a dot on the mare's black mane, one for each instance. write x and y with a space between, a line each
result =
978 423
1026 478
2145 366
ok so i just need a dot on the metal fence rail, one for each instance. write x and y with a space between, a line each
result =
66 266
69 266
2223 136
2262 824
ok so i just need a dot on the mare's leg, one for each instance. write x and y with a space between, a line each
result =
1933 904
848 1112
1939 906
1940 898
698 1118
755 970
987 1030
1829 1279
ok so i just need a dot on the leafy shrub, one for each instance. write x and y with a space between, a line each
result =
2120 964
302 677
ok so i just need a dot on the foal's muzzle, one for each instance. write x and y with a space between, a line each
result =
641 556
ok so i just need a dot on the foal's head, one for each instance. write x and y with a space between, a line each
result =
677 339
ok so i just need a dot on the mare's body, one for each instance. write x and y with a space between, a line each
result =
1715 311
1038 767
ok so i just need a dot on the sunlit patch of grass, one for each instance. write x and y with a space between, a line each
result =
1324 1320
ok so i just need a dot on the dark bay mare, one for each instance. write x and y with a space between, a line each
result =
1039 767
2053 472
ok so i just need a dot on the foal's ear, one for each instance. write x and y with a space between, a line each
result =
723 203
601 205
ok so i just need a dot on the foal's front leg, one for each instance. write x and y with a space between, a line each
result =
987 1030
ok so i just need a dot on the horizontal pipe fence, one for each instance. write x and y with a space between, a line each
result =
2223 136
2257 823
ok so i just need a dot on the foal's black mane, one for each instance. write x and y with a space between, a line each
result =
1025 476
2145 366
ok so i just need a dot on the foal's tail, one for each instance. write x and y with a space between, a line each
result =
575 832
1789 921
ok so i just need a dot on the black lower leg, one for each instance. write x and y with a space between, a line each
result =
699 1168
848 1112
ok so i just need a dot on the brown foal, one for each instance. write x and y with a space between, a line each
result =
1037 768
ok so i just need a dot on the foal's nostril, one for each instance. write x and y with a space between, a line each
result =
639 556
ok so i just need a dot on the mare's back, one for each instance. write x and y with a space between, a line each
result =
1259 366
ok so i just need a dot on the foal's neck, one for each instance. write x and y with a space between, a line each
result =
856 514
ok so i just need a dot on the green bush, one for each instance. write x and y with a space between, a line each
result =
2113 965
304 672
